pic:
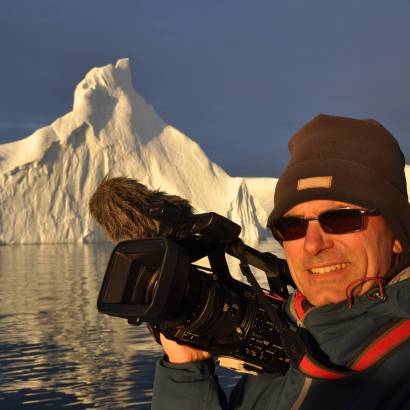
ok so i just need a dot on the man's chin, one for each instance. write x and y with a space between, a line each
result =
322 298
326 289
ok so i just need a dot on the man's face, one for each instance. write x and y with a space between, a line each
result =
323 265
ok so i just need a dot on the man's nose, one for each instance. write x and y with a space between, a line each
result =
316 240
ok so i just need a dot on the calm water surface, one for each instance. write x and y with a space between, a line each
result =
56 350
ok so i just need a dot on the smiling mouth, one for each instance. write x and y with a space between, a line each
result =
330 268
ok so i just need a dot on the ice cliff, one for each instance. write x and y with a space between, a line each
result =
47 178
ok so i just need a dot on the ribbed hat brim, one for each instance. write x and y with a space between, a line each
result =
350 182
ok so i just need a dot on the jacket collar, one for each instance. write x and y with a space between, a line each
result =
342 332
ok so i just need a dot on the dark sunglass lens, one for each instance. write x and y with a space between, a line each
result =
289 228
341 221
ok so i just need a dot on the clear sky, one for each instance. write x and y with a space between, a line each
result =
237 76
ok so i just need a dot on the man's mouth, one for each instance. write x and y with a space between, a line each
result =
330 268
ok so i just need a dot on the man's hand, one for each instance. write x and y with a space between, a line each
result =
180 353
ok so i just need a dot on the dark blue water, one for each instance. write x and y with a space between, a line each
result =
56 350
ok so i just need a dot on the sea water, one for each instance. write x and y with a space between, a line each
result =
56 350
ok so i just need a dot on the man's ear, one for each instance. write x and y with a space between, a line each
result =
397 248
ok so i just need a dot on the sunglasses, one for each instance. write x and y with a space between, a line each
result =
334 221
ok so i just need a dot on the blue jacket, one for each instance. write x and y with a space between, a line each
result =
342 333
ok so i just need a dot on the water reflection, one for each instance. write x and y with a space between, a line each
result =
54 345
56 350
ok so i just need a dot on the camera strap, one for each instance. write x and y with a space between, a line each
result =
293 345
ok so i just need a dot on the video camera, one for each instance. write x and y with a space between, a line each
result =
157 280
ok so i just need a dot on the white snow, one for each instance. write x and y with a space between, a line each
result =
48 178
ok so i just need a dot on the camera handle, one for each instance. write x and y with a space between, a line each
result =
276 269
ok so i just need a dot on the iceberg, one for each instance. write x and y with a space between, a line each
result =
47 178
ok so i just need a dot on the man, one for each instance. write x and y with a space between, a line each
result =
341 212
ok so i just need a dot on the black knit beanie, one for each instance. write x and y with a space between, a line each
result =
349 160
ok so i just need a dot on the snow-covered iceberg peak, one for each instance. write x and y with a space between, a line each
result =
47 178
106 100
243 208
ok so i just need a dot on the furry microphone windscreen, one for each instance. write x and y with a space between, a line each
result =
123 208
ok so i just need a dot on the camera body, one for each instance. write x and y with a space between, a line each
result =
156 281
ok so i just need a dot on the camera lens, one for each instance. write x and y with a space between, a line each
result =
141 285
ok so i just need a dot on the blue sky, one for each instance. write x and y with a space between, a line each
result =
239 77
